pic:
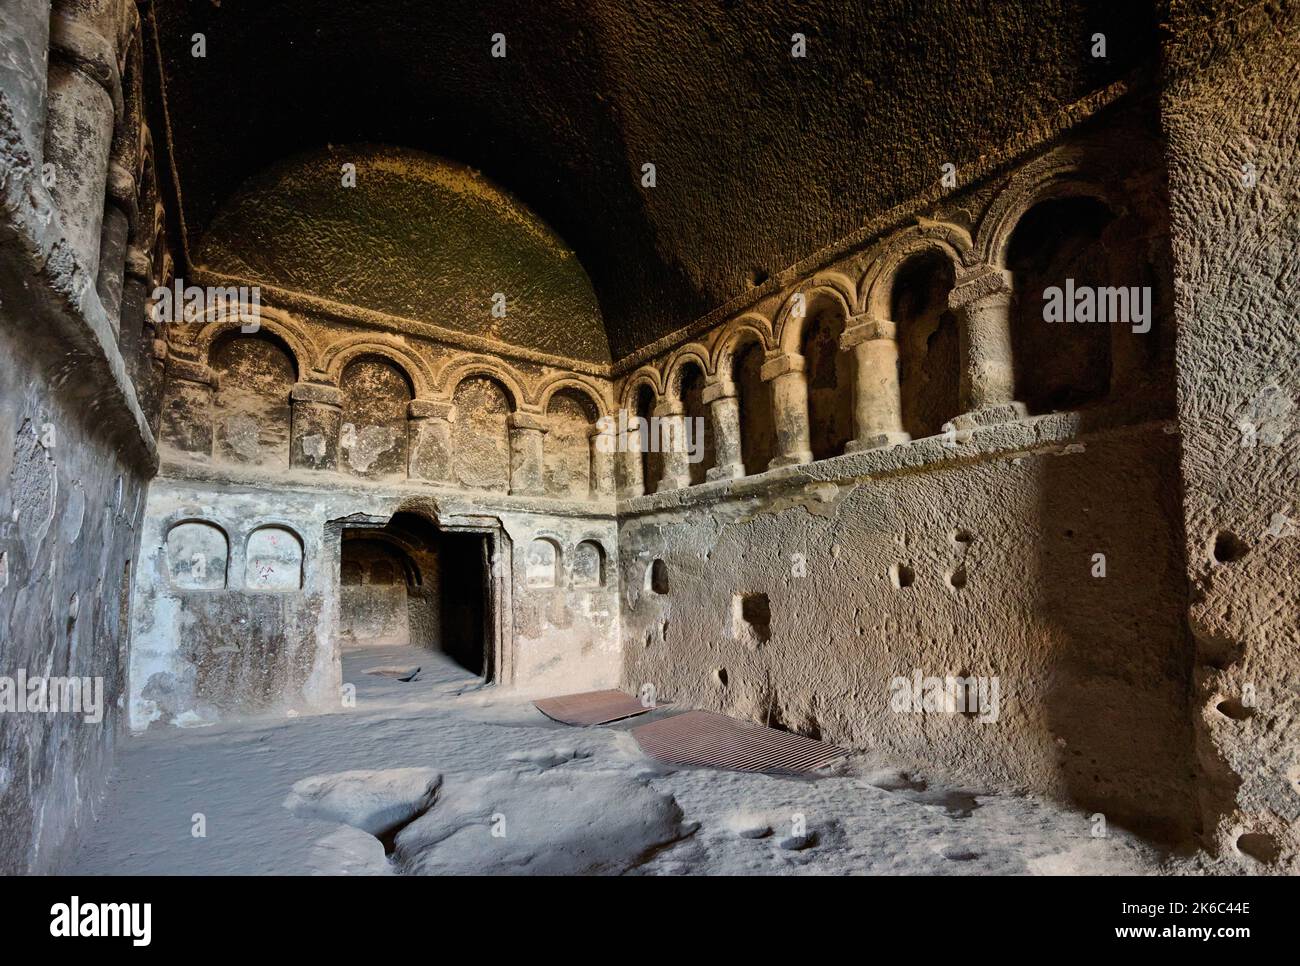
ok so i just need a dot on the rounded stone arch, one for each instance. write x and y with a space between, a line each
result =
270 565
1062 173
835 287
951 241
692 352
452 375
645 376
595 394
589 563
407 549
544 561
340 355
222 321
737 333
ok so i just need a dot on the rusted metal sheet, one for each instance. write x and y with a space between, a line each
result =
702 738
590 707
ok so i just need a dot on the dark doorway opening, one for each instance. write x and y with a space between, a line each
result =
409 583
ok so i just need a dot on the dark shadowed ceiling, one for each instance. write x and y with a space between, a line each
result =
761 159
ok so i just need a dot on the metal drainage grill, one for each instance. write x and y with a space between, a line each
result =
716 741
590 707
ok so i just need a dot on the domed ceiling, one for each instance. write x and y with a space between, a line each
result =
410 235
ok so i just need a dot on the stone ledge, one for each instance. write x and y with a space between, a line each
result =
1033 434
178 469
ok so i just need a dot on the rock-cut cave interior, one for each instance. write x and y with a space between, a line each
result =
607 437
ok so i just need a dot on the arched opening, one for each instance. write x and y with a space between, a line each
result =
197 555
543 564
273 560
754 397
410 584
699 434
928 347
1057 254
652 461
251 408
373 437
829 372
570 417
588 564
481 435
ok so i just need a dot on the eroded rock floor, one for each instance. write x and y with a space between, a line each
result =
438 775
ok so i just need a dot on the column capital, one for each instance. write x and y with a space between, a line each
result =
138 264
669 407
718 389
778 363
315 392
864 328
523 420
978 282
76 40
430 409
191 371
122 191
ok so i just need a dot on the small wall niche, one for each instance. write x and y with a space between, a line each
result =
273 560
656 577
542 563
901 576
197 555
1228 547
751 617
588 564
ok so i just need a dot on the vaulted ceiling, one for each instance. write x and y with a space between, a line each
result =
761 158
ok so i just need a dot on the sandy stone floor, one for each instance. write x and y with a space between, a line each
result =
441 775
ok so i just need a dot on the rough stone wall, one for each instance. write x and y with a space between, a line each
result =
70 509
979 564
1043 552
76 446
1231 111
238 649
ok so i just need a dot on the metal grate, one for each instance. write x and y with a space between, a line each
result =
703 738
590 707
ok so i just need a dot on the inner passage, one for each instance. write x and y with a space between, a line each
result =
410 584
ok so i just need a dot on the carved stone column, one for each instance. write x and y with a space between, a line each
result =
136 329
314 429
982 300
85 100
155 377
724 415
785 371
631 467
429 439
604 442
527 432
187 408
24 70
119 222
672 445
877 405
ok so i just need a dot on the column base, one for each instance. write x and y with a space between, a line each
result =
990 416
673 483
877 441
791 459
727 471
